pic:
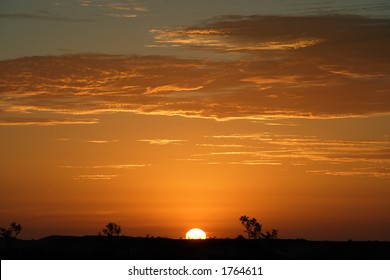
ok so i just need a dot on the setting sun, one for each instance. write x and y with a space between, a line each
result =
195 233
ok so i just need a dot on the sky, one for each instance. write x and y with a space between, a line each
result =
166 115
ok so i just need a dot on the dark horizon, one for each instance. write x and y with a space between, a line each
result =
123 247
163 116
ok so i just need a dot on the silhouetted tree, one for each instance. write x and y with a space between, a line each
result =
270 235
252 227
274 234
112 229
12 231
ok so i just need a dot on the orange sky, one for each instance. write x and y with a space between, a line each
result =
282 118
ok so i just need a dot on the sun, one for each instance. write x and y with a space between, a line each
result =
195 233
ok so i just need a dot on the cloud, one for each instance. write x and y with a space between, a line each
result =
123 15
279 123
110 166
95 177
161 141
43 16
98 177
85 2
352 75
259 136
231 153
270 35
120 8
345 74
377 172
293 81
256 162
308 51
93 141
336 157
221 145
171 88
190 159
88 11
372 8
219 39
101 141
274 146
20 121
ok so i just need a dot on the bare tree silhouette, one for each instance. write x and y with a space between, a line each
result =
111 229
12 231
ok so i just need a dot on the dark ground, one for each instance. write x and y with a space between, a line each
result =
102 248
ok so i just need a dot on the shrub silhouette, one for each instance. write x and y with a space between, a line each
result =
270 235
111 229
12 231
240 236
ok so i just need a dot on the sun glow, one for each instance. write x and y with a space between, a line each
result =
195 233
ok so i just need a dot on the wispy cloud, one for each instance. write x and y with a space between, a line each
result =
221 145
171 88
278 123
41 16
102 168
190 159
220 39
95 177
101 141
374 8
256 34
123 15
266 136
93 141
110 166
162 141
230 153
338 157
89 11
378 172
256 162
20 121
349 74
120 8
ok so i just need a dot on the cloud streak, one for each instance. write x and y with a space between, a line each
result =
377 172
45 17
219 39
125 9
22 121
101 176
101 141
110 166
95 177
336 157
162 141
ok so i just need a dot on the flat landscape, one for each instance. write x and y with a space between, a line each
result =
100 247
130 129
